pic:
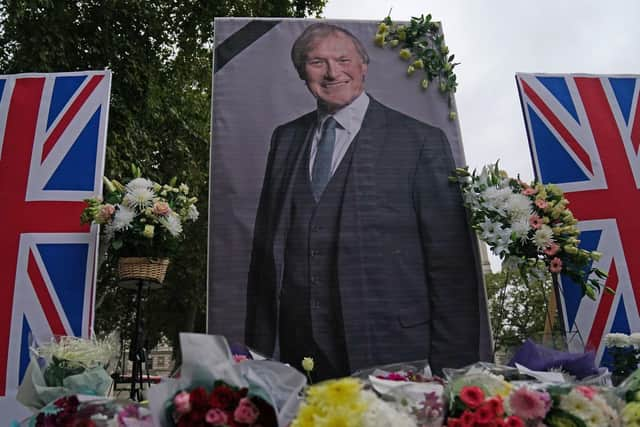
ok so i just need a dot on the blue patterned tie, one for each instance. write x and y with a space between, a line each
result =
321 172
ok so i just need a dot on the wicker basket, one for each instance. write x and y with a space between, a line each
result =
140 268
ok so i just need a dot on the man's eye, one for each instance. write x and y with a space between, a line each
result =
315 63
344 60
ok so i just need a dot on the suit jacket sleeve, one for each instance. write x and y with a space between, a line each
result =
260 279
452 274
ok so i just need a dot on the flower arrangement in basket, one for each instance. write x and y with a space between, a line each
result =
528 226
143 223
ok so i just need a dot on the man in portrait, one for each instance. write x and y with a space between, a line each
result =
362 254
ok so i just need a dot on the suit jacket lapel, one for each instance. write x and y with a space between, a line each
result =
298 142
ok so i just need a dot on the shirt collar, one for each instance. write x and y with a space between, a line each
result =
349 117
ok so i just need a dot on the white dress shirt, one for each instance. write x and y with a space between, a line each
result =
349 120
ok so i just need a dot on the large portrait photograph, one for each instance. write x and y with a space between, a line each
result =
334 230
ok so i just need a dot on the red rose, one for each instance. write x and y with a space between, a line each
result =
467 419
454 422
223 397
484 414
495 403
513 422
471 396
199 400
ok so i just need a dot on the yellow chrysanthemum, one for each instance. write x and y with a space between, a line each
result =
306 416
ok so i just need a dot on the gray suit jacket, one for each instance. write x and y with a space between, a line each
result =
408 275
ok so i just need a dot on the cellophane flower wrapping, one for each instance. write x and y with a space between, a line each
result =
67 366
413 388
90 411
207 361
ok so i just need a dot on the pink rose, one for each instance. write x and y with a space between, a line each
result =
182 402
246 412
105 213
541 204
161 208
216 417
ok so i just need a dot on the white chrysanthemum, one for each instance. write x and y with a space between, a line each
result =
139 183
520 228
140 197
172 223
576 404
518 206
382 414
122 218
543 237
616 340
634 339
193 213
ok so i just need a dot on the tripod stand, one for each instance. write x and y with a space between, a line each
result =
137 351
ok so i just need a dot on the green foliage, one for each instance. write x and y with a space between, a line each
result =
421 42
517 310
160 54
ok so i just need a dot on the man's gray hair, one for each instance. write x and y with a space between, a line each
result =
320 30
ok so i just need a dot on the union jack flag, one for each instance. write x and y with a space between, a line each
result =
52 147
584 135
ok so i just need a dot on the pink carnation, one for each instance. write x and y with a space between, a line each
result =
527 404
556 265
246 412
529 191
182 402
216 417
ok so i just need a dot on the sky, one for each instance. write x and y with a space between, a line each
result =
495 39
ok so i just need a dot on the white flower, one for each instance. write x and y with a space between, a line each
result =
495 199
172 223
184 188
518 206
634 339
520 228
139 183
139 197
616 340
576 404
122 218
193 213
543 237
382 414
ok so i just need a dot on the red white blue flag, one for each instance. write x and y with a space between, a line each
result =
52 147
584 135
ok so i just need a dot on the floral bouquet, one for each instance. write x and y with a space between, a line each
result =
528 226
213 389
65 366
582 406
629 391
345 402
90 412
625 352
412 384
142 218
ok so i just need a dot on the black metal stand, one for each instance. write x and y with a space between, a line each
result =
137 351
556 288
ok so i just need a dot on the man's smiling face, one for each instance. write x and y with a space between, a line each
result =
335 71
